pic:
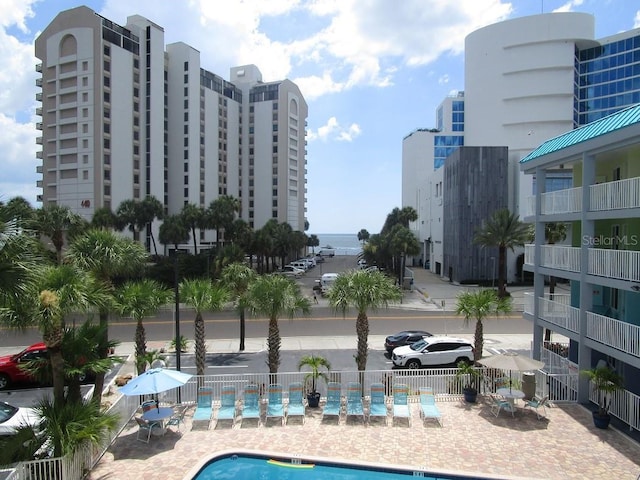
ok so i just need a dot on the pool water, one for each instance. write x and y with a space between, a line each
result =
240 467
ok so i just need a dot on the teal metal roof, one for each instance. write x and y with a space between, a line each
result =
608 124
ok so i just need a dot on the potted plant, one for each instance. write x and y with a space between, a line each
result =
469 375
315 363
605 381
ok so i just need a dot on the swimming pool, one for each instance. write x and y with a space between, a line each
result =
258 466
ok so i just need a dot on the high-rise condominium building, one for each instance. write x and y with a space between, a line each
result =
125 117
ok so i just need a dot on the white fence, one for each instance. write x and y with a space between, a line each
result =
624 405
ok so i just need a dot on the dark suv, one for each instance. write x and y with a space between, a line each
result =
432 351
406 337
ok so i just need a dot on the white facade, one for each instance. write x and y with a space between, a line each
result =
124 118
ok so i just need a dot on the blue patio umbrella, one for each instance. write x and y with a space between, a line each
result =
155 380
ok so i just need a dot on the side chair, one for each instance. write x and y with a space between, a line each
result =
178 416
145 428
537 404
499 403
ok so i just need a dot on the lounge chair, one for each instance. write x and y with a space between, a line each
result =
536 404
428 408
275 408
251 403
145 428
227 410
499 403
354 400
204 407
333 406
378 406
400 403
295 407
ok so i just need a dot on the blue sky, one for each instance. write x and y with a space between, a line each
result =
372 71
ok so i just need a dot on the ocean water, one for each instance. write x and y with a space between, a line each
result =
342 243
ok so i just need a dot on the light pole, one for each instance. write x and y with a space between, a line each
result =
493 271
177 314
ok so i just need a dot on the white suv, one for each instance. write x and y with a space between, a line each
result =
433 351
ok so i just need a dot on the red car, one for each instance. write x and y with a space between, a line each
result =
10 371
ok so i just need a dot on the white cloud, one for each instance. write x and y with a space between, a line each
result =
332 130
636 20
444 79
569 6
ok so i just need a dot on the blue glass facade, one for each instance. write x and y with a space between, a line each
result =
457 116
443 146
607 79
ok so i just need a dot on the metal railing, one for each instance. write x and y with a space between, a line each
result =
623 405
562 201
614 333
615 195
612 263
559 313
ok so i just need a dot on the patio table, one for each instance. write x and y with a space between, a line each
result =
511 394
158 415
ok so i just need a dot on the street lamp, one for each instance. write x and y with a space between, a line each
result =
177 312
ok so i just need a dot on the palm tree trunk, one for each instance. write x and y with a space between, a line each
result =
273 345
502 271
104 352
141 347
201 350
478 341
195 246
242 329
362 331
57 371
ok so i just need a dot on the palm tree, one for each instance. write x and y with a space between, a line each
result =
274 296
150 208
140 299
18 209
237 277
173 231
363 291
363 236
313 241
479 305
127 216
107 256
53 221
221 215
193 217
202 295
104 218
505 231
403 242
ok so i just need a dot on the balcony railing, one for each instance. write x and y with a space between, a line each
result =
559 313
562 201
614 333
39 96
561 257
615 195
611 263
39 67
39 169
529 298
39 140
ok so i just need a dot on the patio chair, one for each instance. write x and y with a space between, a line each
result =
333 406
227 410
354 400
275 408
499 403
148 405
428 408
378 406
537 404
295 407
145 428
204 406
400 403
251 403
178 416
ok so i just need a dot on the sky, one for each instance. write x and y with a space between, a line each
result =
372 71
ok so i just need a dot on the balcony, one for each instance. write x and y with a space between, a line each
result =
39 82
39 154
38 168
38 125
611 263
39 111
39 183
39 67
622 336
562 201
39 96
39 140
615 195
602 262
559 312
559 257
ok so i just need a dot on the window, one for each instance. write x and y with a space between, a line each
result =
107 66
106 96
85 112
85 66
85 128
85 97
107 190
186 78
186 66
85 174
85 81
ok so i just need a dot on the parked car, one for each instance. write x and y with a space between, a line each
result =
433 351
406 337
12 418
291 271
12 370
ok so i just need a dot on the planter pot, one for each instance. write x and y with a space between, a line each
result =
470 395
601 421
313 400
